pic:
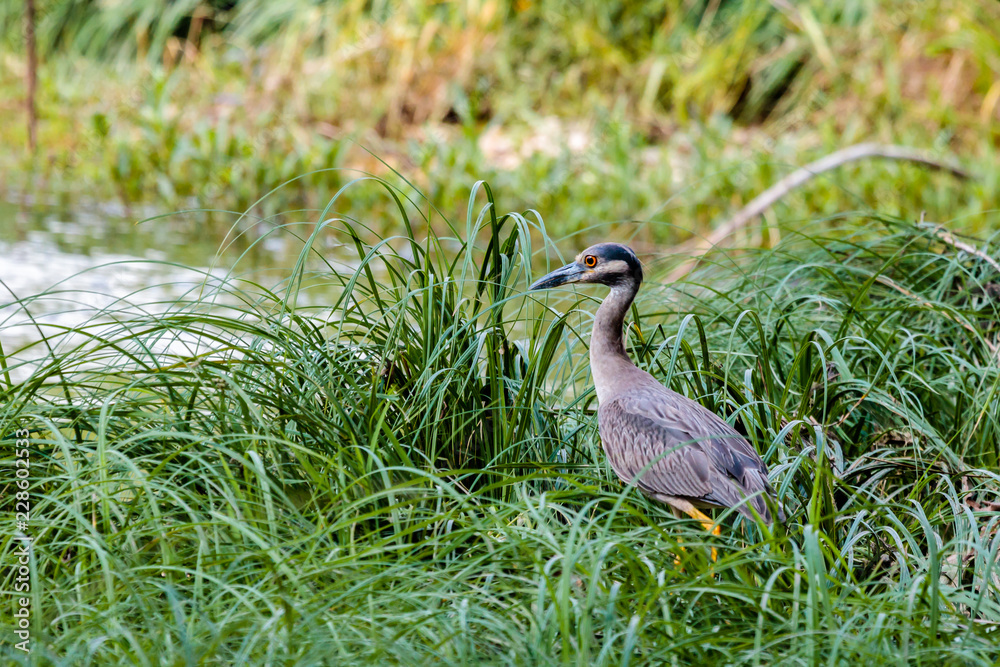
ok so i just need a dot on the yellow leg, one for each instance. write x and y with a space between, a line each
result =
708 524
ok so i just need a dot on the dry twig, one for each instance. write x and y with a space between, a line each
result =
796 179
31 75
944 235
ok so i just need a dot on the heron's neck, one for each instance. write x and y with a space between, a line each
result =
608 359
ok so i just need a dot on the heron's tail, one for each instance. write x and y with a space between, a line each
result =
762 503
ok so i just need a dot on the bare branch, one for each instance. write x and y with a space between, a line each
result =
31 75
799 177
944 235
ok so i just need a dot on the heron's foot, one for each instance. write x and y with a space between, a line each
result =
708 525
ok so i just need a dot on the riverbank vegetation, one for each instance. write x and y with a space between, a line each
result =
674 114
412 474
384 451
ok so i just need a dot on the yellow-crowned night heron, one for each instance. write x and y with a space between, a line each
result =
698 460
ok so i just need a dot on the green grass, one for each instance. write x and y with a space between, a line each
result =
387 453
399 464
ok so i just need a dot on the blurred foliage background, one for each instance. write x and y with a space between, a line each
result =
666 114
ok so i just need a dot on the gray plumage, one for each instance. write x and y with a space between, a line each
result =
695 459
695 455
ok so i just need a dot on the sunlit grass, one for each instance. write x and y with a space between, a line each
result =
398 463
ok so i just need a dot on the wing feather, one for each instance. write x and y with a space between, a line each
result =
694 453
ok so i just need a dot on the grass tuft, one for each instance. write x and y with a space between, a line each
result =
392 458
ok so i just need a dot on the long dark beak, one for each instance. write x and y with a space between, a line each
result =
570 273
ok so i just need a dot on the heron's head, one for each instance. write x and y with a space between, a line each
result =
610 264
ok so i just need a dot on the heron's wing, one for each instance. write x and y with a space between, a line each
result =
697 455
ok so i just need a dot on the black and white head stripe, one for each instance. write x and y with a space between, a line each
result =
610 264
616 252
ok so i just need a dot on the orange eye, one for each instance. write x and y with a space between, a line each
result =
590 261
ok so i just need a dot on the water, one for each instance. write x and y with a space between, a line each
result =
64 270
